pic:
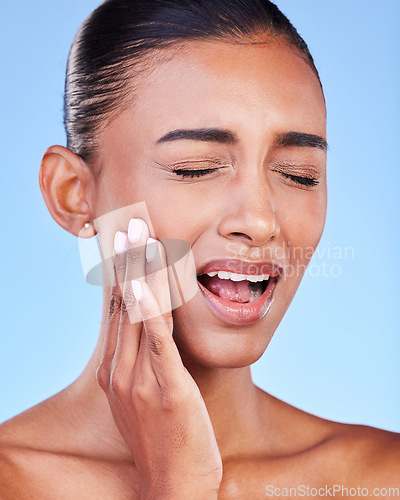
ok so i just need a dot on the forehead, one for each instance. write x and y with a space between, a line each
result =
249 87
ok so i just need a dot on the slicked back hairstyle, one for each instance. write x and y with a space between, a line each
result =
117 39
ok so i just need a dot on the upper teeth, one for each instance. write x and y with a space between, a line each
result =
224 275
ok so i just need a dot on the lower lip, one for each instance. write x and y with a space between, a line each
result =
237 313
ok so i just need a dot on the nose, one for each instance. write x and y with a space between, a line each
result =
251 216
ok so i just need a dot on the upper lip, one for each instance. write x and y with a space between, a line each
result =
253 268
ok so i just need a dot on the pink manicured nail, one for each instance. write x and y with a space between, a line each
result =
151 249
137 289
135 230
120 241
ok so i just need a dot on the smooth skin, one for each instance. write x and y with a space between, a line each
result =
150 406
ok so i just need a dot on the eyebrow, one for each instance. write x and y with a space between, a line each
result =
301 140
221 136
201 134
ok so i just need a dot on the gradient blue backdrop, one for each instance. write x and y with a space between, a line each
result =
336 352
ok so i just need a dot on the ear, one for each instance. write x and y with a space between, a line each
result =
68 189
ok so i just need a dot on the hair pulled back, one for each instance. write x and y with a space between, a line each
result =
112 43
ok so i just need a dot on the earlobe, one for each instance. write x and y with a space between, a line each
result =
68 188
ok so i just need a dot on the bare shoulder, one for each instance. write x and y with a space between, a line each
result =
347 452
22 454
13 452
31 465
368 454
302 451
11 484
30 429
42 457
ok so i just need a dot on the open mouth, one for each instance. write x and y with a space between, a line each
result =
235 287
238 292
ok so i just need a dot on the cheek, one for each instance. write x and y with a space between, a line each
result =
174 212
302 218
183 210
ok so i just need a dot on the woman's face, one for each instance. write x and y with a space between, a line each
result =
264 198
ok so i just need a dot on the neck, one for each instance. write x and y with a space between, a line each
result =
236 408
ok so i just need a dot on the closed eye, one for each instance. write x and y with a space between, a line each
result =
300 175
298 179
194 173
304 181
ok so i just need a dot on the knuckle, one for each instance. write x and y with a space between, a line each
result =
156 344
103 377
178 394
168 403
152 278
118 380
172 398
119 263
132 256
129 301
115 303
140 393
175 397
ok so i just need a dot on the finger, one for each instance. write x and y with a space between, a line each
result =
157 278
113 313
161 348
119 258
130 324
129 334
138 234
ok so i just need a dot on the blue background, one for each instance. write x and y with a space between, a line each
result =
336 352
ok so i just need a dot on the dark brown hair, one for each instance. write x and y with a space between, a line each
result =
112 43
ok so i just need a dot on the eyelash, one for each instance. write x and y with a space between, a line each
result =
304 181
194 173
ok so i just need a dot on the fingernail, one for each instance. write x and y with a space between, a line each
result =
151 249
135 230
120 240
137 289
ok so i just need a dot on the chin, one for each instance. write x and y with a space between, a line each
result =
205 341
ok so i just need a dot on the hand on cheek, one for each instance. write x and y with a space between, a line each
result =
155 402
